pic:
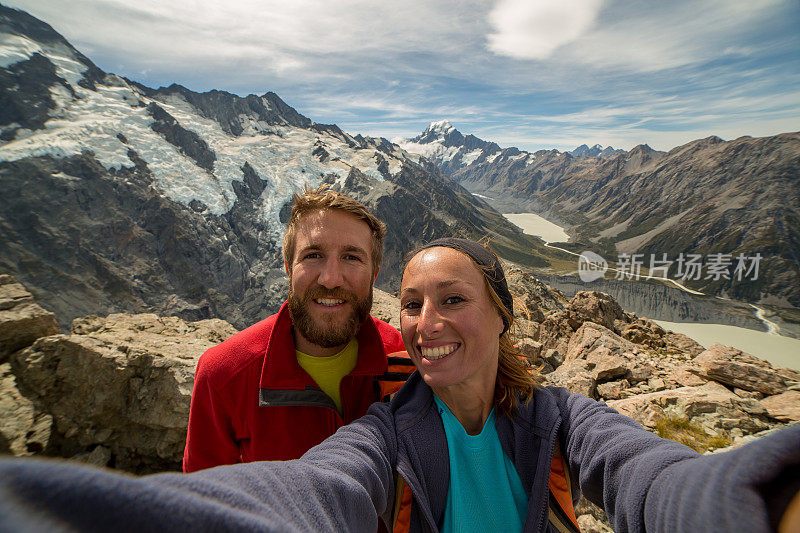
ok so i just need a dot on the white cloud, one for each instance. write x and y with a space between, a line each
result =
279 36
659 36
535 29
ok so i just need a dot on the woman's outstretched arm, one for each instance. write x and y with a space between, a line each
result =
646 483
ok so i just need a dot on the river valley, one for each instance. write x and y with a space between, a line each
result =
707 319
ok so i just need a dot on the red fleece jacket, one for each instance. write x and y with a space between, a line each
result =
252 402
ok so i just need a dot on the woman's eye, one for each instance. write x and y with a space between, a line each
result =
454 300
411 306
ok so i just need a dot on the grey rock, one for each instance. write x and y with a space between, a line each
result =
123 382
711 405
596 307
738 369
530 348
612 390
609 368
573 375
24 430
784 407
22 320
592 337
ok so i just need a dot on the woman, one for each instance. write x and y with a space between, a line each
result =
469 438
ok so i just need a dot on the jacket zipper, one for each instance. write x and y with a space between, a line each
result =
543 514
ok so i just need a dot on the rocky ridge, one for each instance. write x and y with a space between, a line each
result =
595 151
115 391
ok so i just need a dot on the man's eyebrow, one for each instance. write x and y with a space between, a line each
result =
309 247
354 248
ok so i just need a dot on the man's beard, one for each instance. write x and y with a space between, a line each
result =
328 335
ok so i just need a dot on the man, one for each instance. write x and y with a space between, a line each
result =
285 384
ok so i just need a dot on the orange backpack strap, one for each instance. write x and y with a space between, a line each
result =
397 372
401 517
561 512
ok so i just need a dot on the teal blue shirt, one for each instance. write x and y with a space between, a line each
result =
485 493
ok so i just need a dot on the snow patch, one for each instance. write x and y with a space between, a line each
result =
434 150
469 157
491 158
16 48
443 126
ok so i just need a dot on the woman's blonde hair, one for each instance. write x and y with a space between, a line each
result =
516 380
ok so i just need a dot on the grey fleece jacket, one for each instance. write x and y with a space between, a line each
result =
347 482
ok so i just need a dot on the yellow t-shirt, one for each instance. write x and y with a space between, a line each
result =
329 371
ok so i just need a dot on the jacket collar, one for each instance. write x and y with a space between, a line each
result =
281 370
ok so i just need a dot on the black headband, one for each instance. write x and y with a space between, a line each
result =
491 265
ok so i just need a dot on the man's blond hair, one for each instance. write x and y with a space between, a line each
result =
322 199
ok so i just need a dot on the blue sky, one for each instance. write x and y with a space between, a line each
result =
527 73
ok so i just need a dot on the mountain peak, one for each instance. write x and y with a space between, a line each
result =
595 151
441 126
447 147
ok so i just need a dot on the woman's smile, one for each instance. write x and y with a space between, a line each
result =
435 353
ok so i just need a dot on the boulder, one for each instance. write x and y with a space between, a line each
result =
641 373
590 524
612 390
735 368
537 298
591 337
24 430
678 342
711 405
22 320
721 352
685 378
530 348
609 368
747 393
553 358
644 331
123 382
554 332
100 456
744 376
591 518
597 307
574 376
784 407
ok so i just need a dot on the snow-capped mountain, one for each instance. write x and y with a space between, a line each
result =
595 151
444 145
119 197
453 151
